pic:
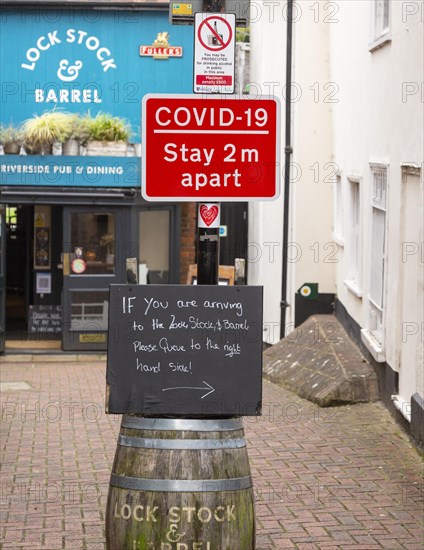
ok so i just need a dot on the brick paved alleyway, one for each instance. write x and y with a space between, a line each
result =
324 478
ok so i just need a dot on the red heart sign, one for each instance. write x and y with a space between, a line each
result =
209 213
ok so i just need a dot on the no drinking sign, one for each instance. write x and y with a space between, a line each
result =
214 53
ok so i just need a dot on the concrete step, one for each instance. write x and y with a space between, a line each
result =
319 362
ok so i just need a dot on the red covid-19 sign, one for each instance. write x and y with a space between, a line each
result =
198 148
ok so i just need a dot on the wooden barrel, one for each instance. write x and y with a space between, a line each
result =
180 484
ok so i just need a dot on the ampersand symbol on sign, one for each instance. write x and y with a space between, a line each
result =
172 534
71 71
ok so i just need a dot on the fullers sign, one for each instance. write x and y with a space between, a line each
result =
208 147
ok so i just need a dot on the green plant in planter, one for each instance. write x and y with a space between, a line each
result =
107 134
105 127
75 134
11 137
41 131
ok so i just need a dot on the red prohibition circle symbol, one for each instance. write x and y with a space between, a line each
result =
220 43
78 265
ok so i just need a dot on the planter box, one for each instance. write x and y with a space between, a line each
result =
106 148
11 148
70 147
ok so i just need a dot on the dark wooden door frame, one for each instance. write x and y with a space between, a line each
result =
90 339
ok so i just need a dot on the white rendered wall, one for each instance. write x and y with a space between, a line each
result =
358 106
310 241
268 45
314 169
375 121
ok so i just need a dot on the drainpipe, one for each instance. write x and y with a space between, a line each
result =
288 150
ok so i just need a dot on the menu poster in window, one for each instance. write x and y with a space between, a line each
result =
43 283
45 318
41 247
185 350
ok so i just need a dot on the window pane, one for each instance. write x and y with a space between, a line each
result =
386 14
154 245
93 241
377 257
89 310
379 187
381 17
375 321
338 208
354 244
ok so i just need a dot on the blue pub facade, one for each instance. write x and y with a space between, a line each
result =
69 222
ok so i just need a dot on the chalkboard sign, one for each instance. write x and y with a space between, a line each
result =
45 319
193 351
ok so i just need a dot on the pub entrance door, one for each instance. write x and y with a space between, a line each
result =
95 246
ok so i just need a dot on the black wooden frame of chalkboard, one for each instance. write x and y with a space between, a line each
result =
185 351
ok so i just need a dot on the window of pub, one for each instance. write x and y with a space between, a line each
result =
92 243
154 247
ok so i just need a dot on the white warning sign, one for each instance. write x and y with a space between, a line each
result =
214 53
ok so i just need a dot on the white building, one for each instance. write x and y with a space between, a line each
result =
356 209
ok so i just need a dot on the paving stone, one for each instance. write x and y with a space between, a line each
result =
342 477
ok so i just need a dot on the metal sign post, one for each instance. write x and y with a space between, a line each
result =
208 243
214 72
206 149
